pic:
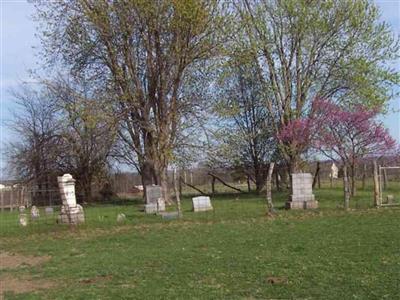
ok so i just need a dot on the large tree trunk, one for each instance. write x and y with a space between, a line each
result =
346 188
268 185
248 183
164 185
146 173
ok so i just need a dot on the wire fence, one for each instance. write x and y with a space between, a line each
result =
233 198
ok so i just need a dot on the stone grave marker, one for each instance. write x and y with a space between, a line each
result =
154 200
21 209
23 220
302 195
121 218
150 208
35 214
201 203
49 210
71 213
170 215
153 193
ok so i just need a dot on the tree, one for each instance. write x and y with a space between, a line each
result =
246 138
142 51
89 131
348 136
306 49
34 156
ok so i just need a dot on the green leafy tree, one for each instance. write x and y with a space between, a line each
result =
306 49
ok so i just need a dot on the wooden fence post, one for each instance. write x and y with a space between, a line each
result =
377 197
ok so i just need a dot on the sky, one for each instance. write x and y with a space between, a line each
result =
19 45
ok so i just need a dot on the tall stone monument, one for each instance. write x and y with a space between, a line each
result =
71 213
302 195
154 200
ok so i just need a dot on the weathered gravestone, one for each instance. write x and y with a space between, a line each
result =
201 203
23 219
170 215
35 214
71 213
302 195
121 218
49 210
154 200
21 209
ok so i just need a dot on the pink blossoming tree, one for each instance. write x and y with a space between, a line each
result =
345 136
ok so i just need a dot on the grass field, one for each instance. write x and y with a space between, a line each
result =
231 253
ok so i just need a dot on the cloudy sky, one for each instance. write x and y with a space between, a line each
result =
19 45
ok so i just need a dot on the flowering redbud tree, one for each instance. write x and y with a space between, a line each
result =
346 136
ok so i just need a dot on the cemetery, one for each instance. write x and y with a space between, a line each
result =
200 149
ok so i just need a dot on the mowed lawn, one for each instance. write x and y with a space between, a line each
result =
231 253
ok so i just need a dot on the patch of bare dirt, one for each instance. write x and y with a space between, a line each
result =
21 285
12 260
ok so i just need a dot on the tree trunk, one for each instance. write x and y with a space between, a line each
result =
147 176
346 188
353 180
212 185
316 176
377 192
268 185
364 176
180 183
177 195
164 185
248 183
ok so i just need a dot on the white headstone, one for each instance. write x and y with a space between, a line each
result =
334 171
153 193
23 220
160 205
49 210
35 214
21 209
150 208
201 203
66 185
302 194
121 218
71 212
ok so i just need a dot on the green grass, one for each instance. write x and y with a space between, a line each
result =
225 254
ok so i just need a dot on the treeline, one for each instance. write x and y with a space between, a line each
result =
237 84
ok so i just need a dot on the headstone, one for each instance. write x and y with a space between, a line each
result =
153 193
302 195
390 199
160 205
71 213
201 203
170 215
121 218
21 209
23 220
35 214
150 208
334 172
49 210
